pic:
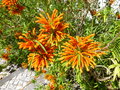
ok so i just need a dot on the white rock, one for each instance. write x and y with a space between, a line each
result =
19 87
3 86
10 85
28 78
33 74
6 84
24 84
11 82
29 73
20 83
16 82
23 78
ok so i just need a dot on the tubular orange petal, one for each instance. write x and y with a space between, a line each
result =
52 24
83 50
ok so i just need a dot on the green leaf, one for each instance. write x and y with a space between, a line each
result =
111 66
41 46
116 71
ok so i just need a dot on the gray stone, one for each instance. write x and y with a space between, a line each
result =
28 78
24 84
30 87
21 80
16 82
19 87
11 76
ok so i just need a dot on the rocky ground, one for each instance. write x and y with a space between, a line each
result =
21 80
13 77
16 78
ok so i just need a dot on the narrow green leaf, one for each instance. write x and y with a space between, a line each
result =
116 71
111 66
41 46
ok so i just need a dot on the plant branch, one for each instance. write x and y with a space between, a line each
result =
106 47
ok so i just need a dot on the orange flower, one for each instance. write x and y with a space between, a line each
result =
17 34
111 2
30 38
8 48
80 52
49 77
52 83
53 26
12 6
43 71
24 65
118 16
17 9
40 60
9 2
43 52
93 12
5 56
29 44
61 87
52 87
1 6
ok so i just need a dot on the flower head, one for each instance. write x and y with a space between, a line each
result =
111 2
43 52
24 65
9 2
12 6
118 16
17 9
53 26
93 12
8 48
61 87
28 44
29 40
17 34
40 60
52 79
51 86
79 52
5 56
44 71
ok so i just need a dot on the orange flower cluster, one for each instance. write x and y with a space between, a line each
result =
40 60
5 56
52 83
79 52
9 2
29 41
93 12
118 16
111 2
42 52
8 48
53 26
17 34
24 65
12 6
42 45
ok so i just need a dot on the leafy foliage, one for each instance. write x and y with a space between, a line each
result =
84 17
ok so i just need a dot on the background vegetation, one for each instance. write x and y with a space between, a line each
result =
104 23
